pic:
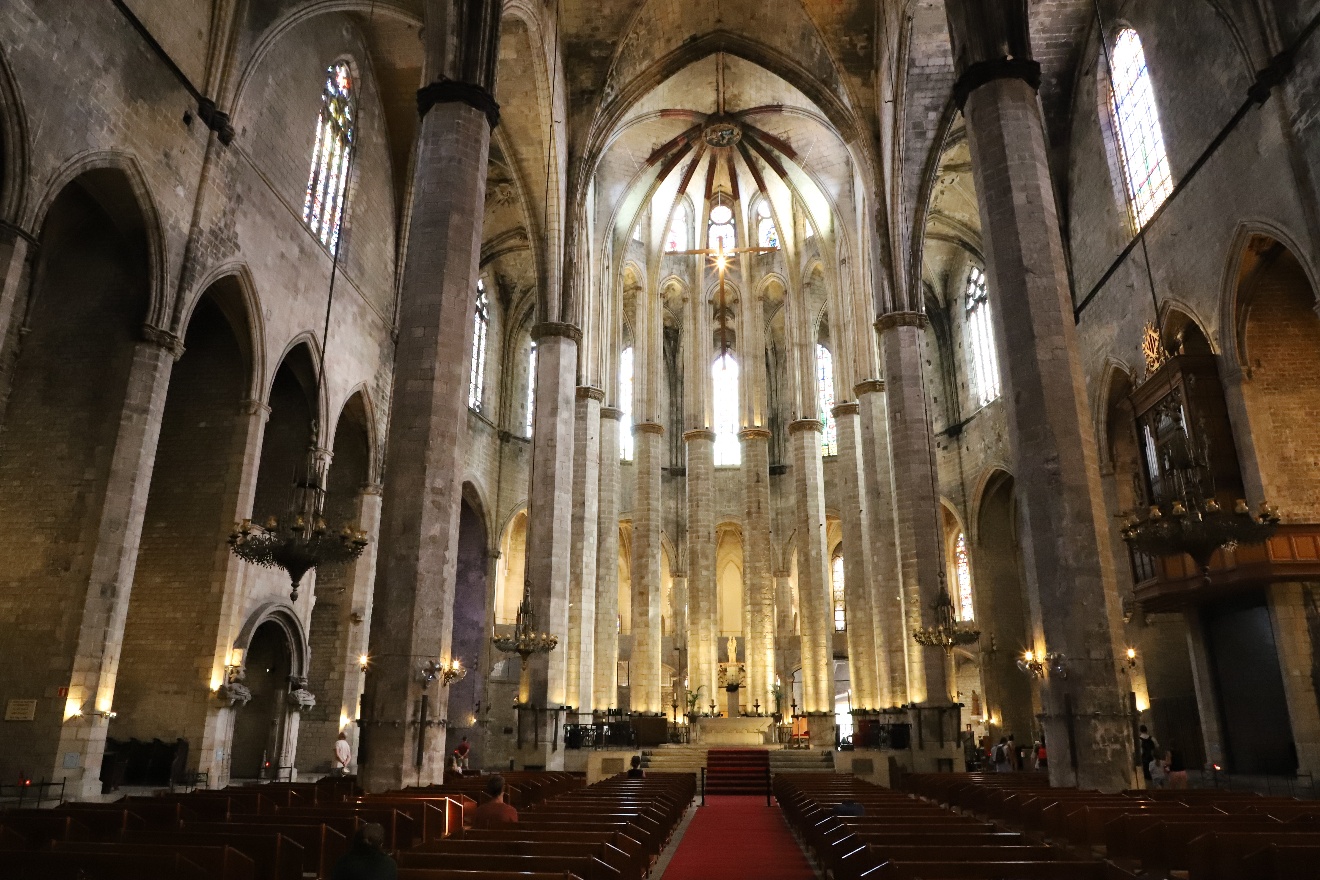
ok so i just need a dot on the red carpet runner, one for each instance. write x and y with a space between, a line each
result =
738 838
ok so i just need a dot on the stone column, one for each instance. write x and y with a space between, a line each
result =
703 619
886 584
15 257
356 620
582 567
866 659
213 756
1203 680
550 518
1069 566
414 607
1292 607
644 667
813 569
80 743
758 579
605 683
916 521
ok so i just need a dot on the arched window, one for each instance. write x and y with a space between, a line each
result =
637 232
626 404
724 378
323 204
766 234
836 578
829 438
531 391
677 240
962 572
720 234
1136 119
983 360
477 378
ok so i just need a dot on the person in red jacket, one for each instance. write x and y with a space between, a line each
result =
494 813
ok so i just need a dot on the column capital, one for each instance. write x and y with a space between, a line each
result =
754 434
163 338
609 412
901 319
371 489
448 91
699 434
869 386
985 72
805 425
850 408
587 392
549 329
252 407
648 428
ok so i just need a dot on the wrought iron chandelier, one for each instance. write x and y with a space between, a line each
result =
948 632
300 541
525 640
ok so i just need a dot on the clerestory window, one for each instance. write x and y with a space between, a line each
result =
724 399
829 438
323 203
1136 120
477 377
983 359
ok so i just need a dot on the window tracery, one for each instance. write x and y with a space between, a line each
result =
323 202
767 235
477 377
829 438
962 569
1136 119
626 404
677 240
720 232
984 359
840 610
530 409
724 400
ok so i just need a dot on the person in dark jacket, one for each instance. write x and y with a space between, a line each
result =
366 859
636 771
1149 750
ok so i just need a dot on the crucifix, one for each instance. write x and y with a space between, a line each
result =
720 258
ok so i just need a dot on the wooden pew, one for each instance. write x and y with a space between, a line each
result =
1060 870
276 856
1222 855
51 865
218 862
624 868
429 874
1282 862
586 867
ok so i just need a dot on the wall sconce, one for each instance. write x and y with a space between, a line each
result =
429 673
234 668
83 712
363 660
1132 658
451 671
1031 665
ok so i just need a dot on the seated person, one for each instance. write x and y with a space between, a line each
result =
849 808
494 812
366 860
636 772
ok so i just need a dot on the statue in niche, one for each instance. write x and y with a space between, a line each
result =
732 647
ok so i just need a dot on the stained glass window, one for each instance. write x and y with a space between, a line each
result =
531 391
829 438
766 234
836 576
982 357
323 204
724 400
1136 119
678 231
720 233
962 570
626 404
477 378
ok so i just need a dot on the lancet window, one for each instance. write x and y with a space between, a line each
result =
982 357
323 203
766 234
626 404
1136 119
962 572
720 233
836 579
530 409
829 442
724 399
480 328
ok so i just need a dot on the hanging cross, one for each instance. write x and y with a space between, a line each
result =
720 259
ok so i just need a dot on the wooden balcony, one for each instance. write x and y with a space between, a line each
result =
1171 583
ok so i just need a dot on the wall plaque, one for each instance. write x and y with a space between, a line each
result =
21 710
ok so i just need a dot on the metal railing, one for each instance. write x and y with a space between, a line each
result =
29 793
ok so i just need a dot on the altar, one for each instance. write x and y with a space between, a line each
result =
751 730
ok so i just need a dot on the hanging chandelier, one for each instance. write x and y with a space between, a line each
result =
525 640
300 540
948 632
1186 517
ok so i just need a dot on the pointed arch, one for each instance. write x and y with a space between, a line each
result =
13 146
317 391
241 305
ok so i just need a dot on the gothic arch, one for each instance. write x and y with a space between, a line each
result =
237 298
283 615
310 345
1233 309
115 180
13 146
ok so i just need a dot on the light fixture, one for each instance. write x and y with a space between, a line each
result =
947 633
1038 665
1131 658
234 691
363 660
1030 665
451 671
300 541
525 640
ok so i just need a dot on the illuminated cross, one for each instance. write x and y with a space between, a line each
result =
719 260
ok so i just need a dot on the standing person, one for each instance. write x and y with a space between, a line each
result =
1014 756
1149 751
494 813
343 755
1177 770
1042 757
462 750
999 756
636 771
366 859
